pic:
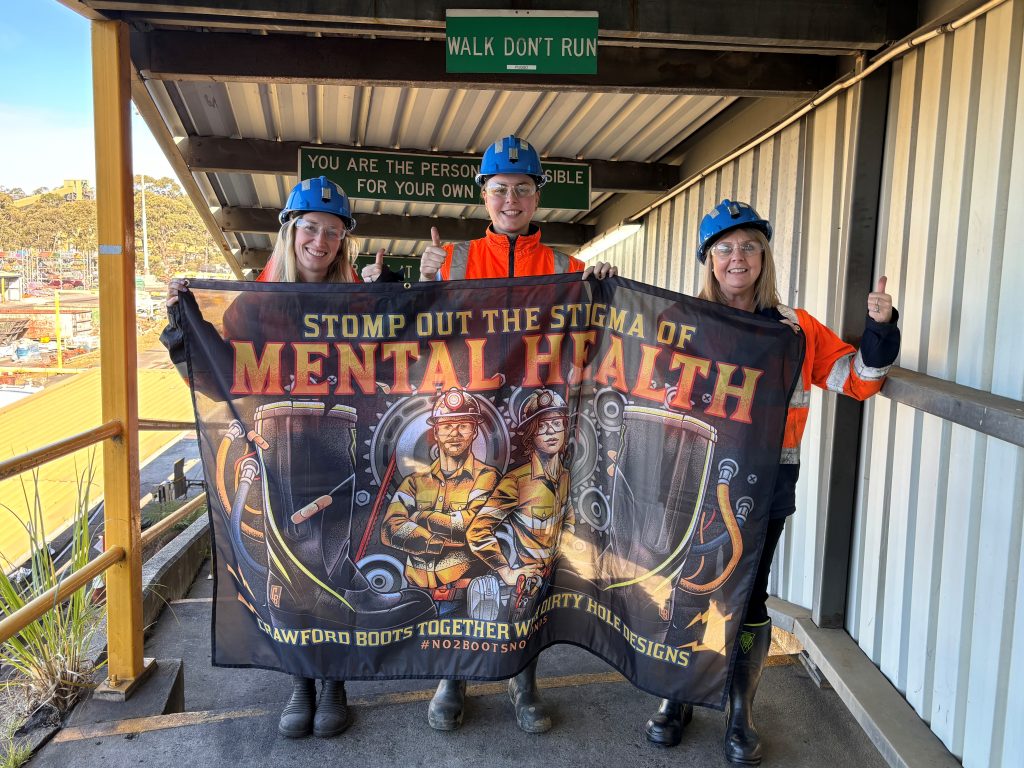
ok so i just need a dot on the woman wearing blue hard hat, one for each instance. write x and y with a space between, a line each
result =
313 246
510 179
734 245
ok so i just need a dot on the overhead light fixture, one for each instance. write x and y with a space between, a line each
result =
610 238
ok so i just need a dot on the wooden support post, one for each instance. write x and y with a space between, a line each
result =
115 211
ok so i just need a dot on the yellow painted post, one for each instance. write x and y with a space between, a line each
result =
115 213
57 329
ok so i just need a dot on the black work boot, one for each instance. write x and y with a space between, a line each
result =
665 728
742 743
297 717
445 710
531 714
331 710
311 578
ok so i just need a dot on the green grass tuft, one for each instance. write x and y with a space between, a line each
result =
49 658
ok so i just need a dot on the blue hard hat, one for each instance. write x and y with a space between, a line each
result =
511 155
319 194
723 217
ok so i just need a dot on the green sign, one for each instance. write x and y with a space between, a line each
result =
408 267
529 42
419 178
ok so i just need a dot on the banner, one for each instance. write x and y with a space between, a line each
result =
441 479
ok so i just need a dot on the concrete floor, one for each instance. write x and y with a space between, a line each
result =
231 716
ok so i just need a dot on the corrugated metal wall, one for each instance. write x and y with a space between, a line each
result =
937 551
936 584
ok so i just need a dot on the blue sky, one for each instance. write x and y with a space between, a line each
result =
46 129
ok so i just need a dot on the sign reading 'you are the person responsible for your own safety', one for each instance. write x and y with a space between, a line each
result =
548 42
431 178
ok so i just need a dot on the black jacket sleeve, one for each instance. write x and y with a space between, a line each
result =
880 344
173 338
389 276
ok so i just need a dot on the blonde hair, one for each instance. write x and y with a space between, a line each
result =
281 266
766 294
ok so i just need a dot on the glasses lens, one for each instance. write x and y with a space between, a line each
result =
313 230
447 428
747 249
551 426
523 189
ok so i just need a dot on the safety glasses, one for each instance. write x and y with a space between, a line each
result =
522 189
313 229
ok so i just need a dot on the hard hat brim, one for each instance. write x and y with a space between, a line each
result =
432 420
288 214
561 409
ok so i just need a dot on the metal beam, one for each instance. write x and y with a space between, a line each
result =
825 24
83 10
902 738
992 415
840 472
253 258
283 58
256 258
221 155
392 227
154 120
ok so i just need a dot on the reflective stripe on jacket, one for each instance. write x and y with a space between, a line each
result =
490 256
829 363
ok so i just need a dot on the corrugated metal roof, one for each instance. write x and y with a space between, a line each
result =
47 417
586 126
375 77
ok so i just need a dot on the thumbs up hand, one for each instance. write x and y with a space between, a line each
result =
880 303
373 271
433 257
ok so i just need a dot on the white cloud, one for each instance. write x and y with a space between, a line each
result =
41 147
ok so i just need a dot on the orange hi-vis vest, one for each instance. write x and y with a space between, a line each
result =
829 363
497 255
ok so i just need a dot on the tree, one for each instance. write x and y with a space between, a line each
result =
177 238
174 229
8 214
164 186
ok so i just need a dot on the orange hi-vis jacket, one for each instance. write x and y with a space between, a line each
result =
428 516
535 506
830 363
497 255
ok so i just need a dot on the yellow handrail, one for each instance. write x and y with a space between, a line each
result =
17 621
31 459
45 371
183 511
164 425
